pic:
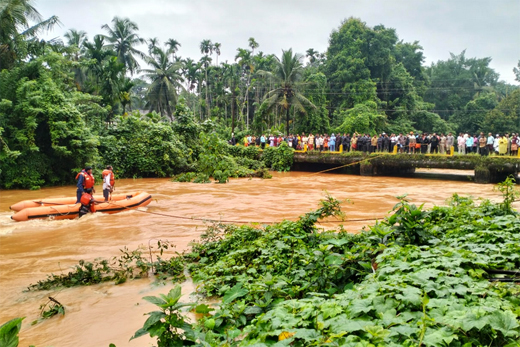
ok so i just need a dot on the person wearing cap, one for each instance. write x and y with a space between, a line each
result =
85 181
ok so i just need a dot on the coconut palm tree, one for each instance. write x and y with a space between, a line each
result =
287 74
245 61
253 44
173 46
19 22
153 43
123 38
206 48
311 54
77 39
216 49
165 78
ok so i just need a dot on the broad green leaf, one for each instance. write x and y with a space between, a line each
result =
155 317
203 309
175 294
155 300
9 332
139 333
438 337
333 259
405 330
410 294
506 322
234 293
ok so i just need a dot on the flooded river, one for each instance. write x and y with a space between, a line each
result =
103 314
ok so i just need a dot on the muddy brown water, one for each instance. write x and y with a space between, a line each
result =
102 314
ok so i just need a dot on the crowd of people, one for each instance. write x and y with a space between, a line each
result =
406 143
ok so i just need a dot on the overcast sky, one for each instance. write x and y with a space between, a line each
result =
484 28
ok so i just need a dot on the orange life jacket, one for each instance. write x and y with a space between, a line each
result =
86 199
108 172
88 181
79 173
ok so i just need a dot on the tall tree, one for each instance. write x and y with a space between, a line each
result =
311 54
287 74
173 46
216 49
76 40
19 22
206 48
123 38
153 43
253 45
165 78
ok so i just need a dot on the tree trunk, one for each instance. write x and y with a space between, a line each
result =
168 109
287 114
207 98
233 110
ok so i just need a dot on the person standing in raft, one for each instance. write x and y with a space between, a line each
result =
85 181
87 203
108 182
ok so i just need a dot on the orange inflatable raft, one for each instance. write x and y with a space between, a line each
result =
66 208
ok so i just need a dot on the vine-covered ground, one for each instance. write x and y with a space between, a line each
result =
417 278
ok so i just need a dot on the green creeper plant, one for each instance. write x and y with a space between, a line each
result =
168 324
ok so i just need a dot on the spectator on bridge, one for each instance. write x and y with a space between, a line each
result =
373 144
411 143
434 143
469 144
346 142
490 143
482 142
442 144
495 144
332 143
450 141
514 144
461 144
310 142
475 144
502 145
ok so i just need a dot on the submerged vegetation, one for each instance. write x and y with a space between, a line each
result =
447 276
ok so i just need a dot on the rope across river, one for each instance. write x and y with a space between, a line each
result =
228 221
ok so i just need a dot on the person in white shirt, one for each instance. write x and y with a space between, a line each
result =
461 144
108 182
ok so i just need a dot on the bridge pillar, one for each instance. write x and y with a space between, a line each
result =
482 175
366 169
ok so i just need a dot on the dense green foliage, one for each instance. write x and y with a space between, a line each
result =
420 277
80 100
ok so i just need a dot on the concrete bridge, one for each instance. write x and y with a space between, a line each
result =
488 169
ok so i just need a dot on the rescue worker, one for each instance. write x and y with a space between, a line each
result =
87 203
85 181
108 182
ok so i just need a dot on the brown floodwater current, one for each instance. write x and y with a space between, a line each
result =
102 314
